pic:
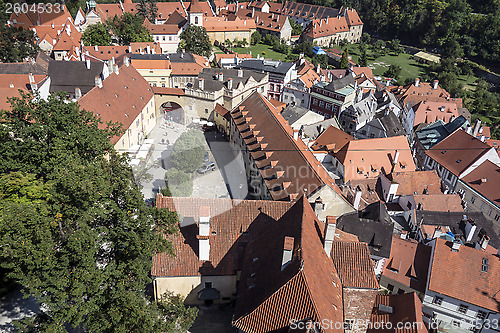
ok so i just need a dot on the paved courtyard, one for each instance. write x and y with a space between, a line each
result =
228 180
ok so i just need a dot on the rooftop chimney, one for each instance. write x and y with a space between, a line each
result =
221 77
98 81
240 73
253 12
201 83
126 61
417 82
204 233
78 93
318 206
455 247
149 49
295 134
318 69
437 233
230 84
330 226
484 242
182 53
116 69
357 199
396 157
470 229
87 63
476 128
287 251
96 48
31 78
129 49
435 84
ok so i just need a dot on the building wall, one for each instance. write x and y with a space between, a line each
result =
156 77
299 97
478 203
169 43
189 286
221 36
161 98
358 305
180 81
396 286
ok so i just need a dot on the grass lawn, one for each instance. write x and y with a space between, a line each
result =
259 49
468 81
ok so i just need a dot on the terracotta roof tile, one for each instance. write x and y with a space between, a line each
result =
417 182
459 275
485 180
235 223
458 151
332 137
10 85
326 27
105 52
428 112
121 98
439 202
408 263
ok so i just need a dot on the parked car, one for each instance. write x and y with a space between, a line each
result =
210 166
206 157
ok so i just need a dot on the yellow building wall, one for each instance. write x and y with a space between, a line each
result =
156 77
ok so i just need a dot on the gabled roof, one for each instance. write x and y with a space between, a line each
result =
212 82
407 310
271 295
307 11
485 179
222 111
337 84
234 223
332 139
105 52
11 83
439 202
68 75
275 151
326 27
64 43
428 112
121 99
459 275
408 263
142 47
433 133
372 225
458 151
416 182
369 157
352 16
270 21
195 7
217 24
276 67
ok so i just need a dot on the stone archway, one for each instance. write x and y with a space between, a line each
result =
173 111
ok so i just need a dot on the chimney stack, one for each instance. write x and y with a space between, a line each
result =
435 84
240 72
230 84
221 77
287 251
357 199
31 78
201 83
149 49
87 63
470 229
182 53
476 128
98 81
78 93
296 134
96 48
396 157
318 206
253 12
129 49
204 233
417 82
456 245
126 61
318 69
437 233
484 242
330 227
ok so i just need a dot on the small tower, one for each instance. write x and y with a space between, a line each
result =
195 13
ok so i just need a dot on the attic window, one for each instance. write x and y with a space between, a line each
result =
125 87
134 106
444 151
107 104
484 267
116 95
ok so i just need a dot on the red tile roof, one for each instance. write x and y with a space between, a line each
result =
270 296
326 27
367 158
417 182
439 202
105 52
217 24
10 85
332 139
458 151
121 99
428 112
235 223
407 310
45 17
459 275
225 113
150 64
168 91
354 265
274 146
408 263
485 179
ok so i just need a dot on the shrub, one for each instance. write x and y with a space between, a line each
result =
188 150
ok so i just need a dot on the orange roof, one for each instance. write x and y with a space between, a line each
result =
428 112
407 316
151 64
352 17
168 91
485 179
458 151
121 99
439 202
164 29
195 7
186 68
230 219
408 263
423 92
213 24
326 27
10 85
143 47
45 17
222 110
416 182
363 70
277 104
105 52
459 275
360 157
332 139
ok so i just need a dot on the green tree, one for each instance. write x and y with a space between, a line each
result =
320 59
196 41
74 229
128 29
256 38
393 72
344 62
147 9
296 27
188 150
179 183
305 47
16 44
395 46
363 60
96 34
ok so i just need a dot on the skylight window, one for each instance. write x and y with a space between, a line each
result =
444 151
484 267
